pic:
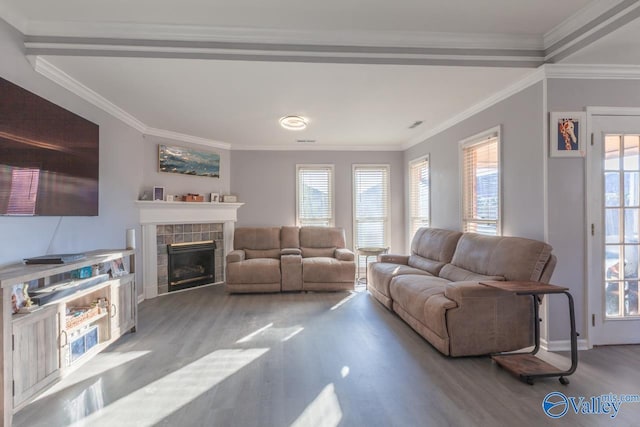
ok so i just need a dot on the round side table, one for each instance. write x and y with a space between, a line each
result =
366 253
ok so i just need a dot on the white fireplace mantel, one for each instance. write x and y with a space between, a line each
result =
158 212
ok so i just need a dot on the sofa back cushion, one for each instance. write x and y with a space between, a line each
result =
432 248
318 252
322 237
258 242
290 237
514 258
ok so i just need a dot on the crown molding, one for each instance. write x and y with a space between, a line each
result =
584 16
58 76
352 54
424 39
609 21
316 147
530 79
55 74
182 137
591 71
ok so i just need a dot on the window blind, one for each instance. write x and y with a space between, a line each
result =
24 191
481 186
371 205
315 198
419 195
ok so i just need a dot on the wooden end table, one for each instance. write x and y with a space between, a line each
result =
526 365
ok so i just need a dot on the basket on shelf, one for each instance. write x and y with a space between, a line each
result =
81 314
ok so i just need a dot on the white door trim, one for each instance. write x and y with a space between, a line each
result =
591 112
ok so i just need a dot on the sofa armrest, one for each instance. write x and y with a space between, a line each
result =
487 320
394 259
235 256
290 251
343 254
458 291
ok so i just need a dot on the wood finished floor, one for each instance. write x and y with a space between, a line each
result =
317 359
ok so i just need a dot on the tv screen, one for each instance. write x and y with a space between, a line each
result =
48 157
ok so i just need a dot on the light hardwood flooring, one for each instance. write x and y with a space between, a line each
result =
204 358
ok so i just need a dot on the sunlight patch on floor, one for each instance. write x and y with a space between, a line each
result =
344 301
90 400
344 371
100 364
268 334
253 334
324 411
295 332
152 403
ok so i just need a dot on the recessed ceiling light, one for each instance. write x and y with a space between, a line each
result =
306 141
293 122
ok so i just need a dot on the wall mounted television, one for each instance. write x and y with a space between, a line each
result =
49 157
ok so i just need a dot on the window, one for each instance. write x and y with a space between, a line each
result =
419 195
370 205
480 166
315 199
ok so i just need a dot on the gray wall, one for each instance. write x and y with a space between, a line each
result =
177 184
120 173
266 182
522 164
566 186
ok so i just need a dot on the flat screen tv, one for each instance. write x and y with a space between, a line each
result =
48 157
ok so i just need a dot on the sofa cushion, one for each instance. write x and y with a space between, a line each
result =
267 253
514 258
432 248
380 275
457 274
426 264
257 238
322 237
290 237
318 252
411 292
326 270
254 271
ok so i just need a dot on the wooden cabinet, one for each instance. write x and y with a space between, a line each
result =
36 356
123 306
38 348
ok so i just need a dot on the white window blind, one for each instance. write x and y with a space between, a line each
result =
481 185
24 191
371 205
419 195
315 198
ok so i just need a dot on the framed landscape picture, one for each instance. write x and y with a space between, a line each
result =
188 161
568 134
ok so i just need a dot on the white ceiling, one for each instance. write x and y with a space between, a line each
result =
497 16
349 105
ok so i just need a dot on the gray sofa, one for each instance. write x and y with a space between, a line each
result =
436 289
276 259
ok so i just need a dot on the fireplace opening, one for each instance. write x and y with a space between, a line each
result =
191 264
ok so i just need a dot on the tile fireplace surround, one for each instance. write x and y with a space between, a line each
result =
163 222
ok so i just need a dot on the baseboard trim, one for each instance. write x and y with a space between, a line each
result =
562 345
140 298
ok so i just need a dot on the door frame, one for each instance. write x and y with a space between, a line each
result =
589 206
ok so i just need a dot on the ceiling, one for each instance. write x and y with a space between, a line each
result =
362 72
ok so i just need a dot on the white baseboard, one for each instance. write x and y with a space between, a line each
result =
140 298
562 345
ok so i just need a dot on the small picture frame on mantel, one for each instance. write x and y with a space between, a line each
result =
567 134
215 198
158 194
